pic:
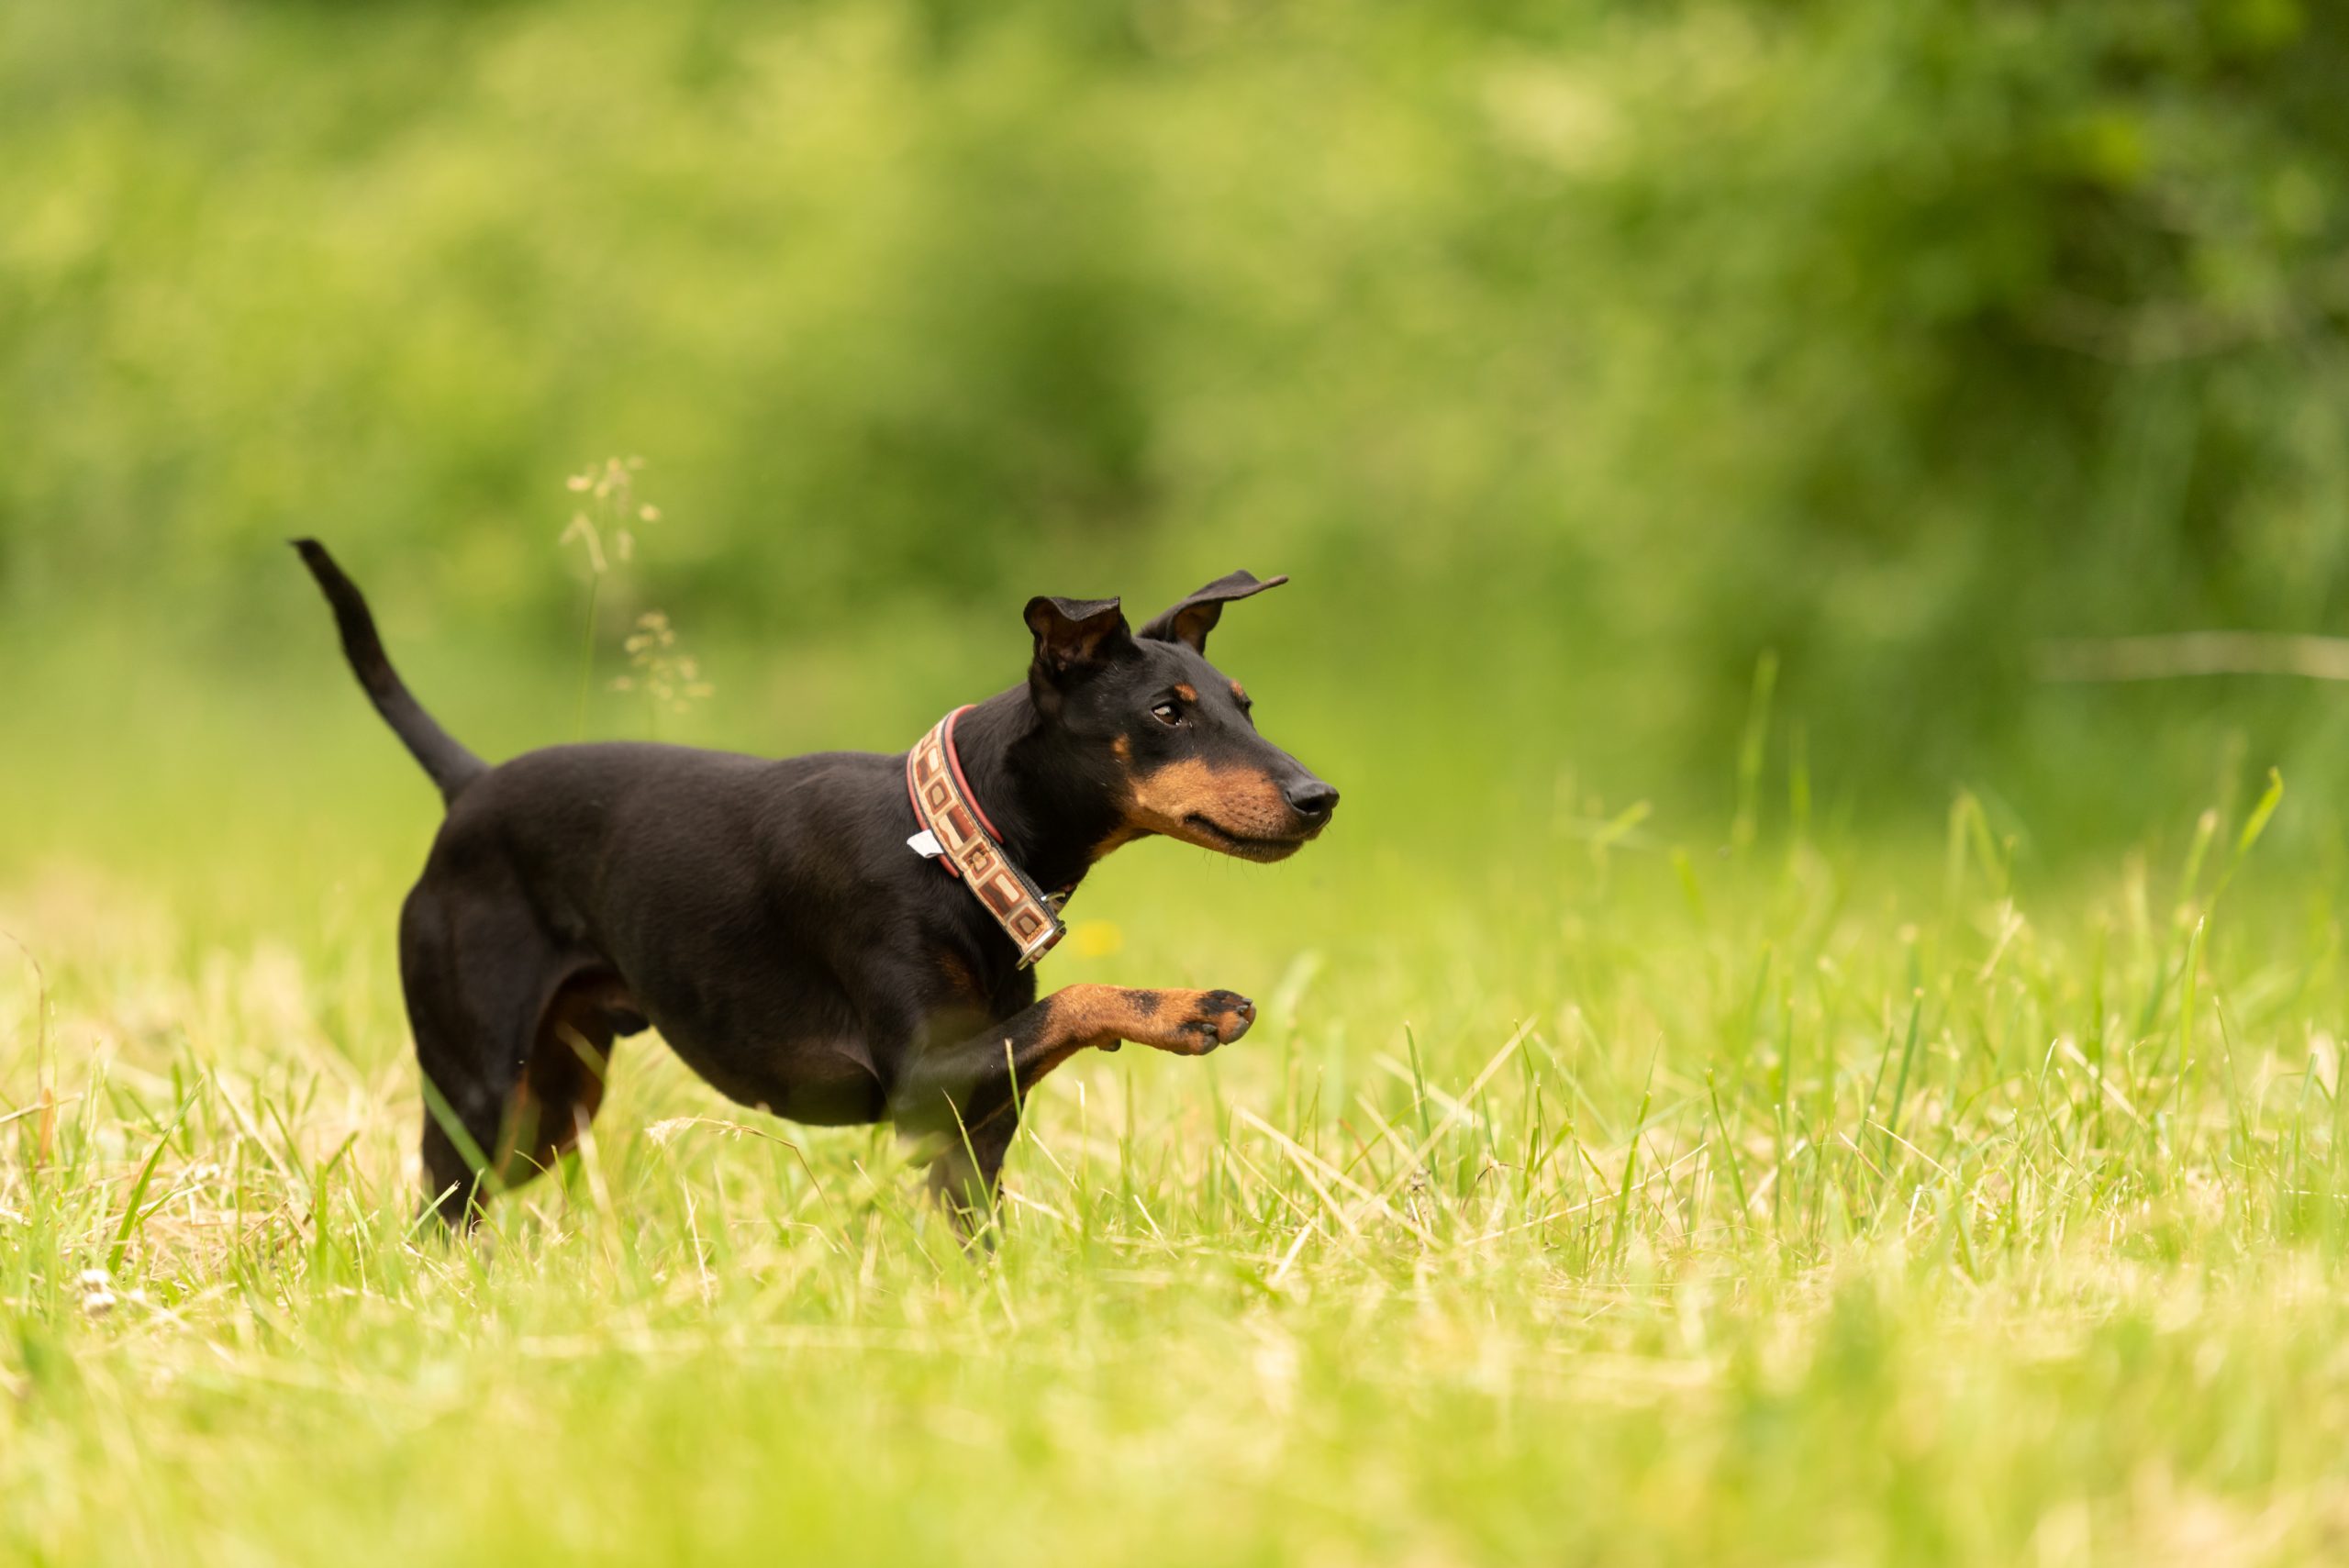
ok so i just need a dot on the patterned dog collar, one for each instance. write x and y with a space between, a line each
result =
955 830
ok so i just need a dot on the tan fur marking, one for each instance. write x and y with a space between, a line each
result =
959 978
1118 840
1123 749
561 1086
1238 693
1241 801
1184 1021
1186 692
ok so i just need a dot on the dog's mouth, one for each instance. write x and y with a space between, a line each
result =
1247 846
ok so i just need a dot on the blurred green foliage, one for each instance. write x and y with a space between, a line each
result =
1611 344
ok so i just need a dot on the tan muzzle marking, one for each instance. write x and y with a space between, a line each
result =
1243 802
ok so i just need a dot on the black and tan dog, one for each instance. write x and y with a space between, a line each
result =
840 938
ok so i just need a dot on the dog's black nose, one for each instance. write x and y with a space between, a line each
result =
1311 799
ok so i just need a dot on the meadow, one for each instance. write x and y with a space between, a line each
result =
1597 1186
1779 1059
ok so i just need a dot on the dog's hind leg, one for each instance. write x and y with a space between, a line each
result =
478 973
562 1084
968 1093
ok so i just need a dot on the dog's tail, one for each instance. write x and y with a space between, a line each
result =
452 766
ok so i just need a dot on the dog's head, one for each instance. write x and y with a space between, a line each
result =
1163 735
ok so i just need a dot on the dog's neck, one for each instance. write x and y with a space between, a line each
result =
1053 822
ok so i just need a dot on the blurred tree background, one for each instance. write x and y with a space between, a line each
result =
1571 356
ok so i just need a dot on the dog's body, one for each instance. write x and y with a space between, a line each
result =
770 920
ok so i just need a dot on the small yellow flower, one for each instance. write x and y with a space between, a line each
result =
1095 938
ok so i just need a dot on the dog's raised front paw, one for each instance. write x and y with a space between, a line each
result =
1217 1018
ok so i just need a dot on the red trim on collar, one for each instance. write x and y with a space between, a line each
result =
954 761
958 833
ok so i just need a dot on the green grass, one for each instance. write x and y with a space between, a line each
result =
1668 1138
1584 1200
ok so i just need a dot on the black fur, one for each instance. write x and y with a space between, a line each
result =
767 916
450 764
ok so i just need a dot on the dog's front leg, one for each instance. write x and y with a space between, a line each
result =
968 1092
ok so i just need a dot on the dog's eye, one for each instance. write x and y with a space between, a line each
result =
1167 714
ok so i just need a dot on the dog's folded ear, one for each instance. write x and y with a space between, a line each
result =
1074 636
1191 621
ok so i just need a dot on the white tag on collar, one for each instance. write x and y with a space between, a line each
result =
925 844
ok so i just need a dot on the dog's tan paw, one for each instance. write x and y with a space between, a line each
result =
1217 1018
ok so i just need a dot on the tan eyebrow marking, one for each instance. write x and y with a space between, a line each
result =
1238 692
1187 694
